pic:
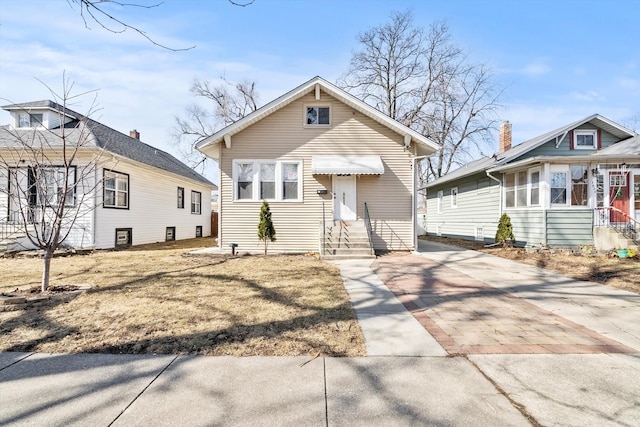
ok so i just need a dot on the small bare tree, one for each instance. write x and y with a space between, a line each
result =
49 175
423 80
228 102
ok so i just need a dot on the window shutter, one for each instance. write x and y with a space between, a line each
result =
599 143
571 140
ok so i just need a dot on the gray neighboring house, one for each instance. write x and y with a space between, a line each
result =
576 185
135 193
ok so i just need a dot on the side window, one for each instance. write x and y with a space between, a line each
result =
454 197
180 198
196 202
116 190
440 198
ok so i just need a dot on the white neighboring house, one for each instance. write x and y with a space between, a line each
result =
127 192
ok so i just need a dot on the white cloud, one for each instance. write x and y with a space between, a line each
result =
535 69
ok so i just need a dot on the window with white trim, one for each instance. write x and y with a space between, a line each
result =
272 180
558 187
522 188
196 202
480 233
51 185
454 197
439 200
534 187
316 115
579 185
180 198
26 120
599 190
116 190
585 139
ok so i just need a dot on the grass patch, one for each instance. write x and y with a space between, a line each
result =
158 299
611 271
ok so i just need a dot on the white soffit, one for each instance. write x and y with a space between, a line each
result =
341 165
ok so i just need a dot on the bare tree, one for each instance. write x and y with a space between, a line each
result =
632 122
423 80
227 103
48 176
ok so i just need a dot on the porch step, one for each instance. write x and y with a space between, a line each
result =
345 240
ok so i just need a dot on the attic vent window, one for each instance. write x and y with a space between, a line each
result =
317 115
26 120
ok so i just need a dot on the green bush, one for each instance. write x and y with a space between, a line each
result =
504 234
266 230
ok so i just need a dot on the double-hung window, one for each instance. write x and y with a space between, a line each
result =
272 180
244 181
196 202
290 180
51 186
454 197
267 181
579 185
180 198
558 187
116 189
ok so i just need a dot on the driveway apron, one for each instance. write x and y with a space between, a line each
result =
469 316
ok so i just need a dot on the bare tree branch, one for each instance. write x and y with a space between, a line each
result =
94 10
229 102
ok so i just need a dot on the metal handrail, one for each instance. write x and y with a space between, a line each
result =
324 232
367 223
620 221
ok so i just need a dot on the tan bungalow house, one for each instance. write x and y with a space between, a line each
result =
337 173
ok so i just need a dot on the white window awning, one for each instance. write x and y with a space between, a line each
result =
345 165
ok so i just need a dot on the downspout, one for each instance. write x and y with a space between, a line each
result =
413 201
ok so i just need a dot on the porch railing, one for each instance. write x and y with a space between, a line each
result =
620 221
367 224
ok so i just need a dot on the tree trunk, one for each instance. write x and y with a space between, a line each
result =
48 254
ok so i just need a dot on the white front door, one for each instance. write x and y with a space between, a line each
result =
344 198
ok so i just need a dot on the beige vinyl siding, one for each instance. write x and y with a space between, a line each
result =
152 207
478 206
282 136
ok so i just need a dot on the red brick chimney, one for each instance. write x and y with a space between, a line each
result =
505 137
135 134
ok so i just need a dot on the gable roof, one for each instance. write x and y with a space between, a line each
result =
102 137
424 144
502 159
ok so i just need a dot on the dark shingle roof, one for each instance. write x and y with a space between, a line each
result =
112 141
516 151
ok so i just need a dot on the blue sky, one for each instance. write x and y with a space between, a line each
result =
558 61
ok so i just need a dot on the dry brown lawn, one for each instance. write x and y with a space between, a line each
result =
158 299
611 271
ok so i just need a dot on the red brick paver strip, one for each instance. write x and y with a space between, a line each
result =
467 316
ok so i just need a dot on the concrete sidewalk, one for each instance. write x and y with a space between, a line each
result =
125 390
